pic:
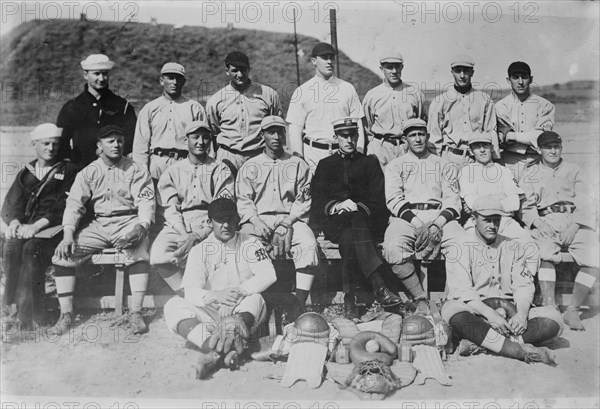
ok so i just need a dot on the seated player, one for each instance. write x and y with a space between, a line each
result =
560 210
34 202
121 195
421 193
490 290
348 205
273 193
186 188
223 279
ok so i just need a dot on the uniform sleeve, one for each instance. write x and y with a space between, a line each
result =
450 188
212 114
521 283
261 267
223 183
467 189
169 197
545 122
79 195
421 108
198 112
142 190
244 191
301 207
489 126
15 202
129 122
355 107
141 140
585 201
275 104
394 188
296 113
459 277
434 126
195 276
532 198
369 115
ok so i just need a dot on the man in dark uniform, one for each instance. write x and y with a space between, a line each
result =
349 207
82 117
33 206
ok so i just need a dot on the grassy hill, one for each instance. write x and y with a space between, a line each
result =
40 62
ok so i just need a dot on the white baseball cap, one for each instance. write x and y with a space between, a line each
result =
98 62
44 131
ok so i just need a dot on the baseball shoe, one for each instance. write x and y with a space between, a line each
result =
571 318
387 298
538 354
63 325
468 348
232 360
374 311
206 364
137 323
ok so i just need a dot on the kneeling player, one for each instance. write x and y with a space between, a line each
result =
223 279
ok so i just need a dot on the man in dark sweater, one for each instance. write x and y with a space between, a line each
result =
97 106
34 203
349 207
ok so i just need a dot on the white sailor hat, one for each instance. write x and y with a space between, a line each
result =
97 62
44 131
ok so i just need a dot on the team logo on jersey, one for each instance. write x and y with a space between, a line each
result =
225 194
261 254
146 193
454 185
305 193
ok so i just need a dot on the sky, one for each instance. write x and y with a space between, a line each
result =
559 39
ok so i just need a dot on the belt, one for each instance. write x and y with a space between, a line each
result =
171 153
253 152
457 151
319 145
118 213
393 139
424 206
562 207
201 206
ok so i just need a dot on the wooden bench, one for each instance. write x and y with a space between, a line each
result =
117 259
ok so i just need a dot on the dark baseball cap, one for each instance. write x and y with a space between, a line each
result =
221 208
322 49
519 67
237 58
110 130
548 137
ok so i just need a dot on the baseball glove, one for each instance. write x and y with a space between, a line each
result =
133 238
434 243
503 128
184 246
282 242
422 237
231 333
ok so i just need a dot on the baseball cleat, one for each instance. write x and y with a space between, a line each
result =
63 325
571 318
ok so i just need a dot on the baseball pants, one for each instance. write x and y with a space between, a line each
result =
167 240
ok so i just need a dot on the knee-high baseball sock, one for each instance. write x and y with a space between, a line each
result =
171 274
584 281
407 274
476 329
65 287
540 329
138 282
304 281
547 278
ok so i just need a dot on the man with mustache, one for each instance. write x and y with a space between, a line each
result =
522 116
160 130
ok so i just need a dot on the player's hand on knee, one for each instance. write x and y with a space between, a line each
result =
184 246
225 311
567 236
27 231
12 230
231 333
518 324
499 324
65 250
545 230
282 240
133 238
261 229
228 297
421 237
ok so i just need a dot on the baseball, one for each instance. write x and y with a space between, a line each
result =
372 346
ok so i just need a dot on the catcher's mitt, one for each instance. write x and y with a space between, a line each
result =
231 333
434 243
422 237
282 242
184 246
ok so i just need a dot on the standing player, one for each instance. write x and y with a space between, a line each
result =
522 116
560 210
121 195
34 202
160 130
460 112
316 103
387 107
186 188
273 193
223 279
235 113
96 107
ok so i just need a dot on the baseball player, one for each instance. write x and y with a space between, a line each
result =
96 107
121 195
348 205
160 130
316 103
521 116
561 211
459 113
235 113
186 188
273 193
223 279
490 291
386 108
35 202
421 192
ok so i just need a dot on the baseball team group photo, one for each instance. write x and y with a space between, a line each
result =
197 213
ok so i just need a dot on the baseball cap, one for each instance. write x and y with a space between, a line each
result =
519 67
413 123
462 61
197 125
221 208
322 49
97 62
548 137
344 124
489 205
237 58
272 120
172 68
44 131
110 130
391 58
480 137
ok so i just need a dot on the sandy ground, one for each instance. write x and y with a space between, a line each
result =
99 366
